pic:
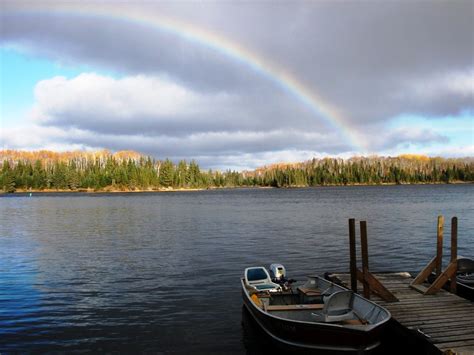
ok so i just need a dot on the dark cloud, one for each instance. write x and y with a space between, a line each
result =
124 46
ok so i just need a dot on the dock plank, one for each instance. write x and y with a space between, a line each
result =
446 319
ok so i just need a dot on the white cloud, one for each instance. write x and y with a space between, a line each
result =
35 137
80 101
457 83
152 106
250 161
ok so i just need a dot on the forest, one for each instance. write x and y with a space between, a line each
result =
131 171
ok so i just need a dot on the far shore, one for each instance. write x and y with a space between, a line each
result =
111 189
107 191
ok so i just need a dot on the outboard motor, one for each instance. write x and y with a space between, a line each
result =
278 274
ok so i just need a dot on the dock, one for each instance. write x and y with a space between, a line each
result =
444 319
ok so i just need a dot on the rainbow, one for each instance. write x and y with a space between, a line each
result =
311 99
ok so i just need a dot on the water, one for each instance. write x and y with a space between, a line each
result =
160 271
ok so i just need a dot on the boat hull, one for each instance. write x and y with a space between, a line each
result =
463 290
321 336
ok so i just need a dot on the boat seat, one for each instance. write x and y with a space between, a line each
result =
338 307
259 279
294 307
308 291
266 287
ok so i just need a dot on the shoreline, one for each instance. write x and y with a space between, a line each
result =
109 190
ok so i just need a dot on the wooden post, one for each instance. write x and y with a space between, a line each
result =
352 253
365 257
454 250
439 246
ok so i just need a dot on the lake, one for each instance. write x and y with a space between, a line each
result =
160 271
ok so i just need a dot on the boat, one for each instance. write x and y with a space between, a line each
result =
464 278
465 272
316 314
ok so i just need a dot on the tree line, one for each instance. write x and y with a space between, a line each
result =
103 171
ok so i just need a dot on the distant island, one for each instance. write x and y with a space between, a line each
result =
103 171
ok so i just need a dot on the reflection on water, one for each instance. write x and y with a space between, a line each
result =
160 271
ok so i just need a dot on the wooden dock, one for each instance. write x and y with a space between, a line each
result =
444 319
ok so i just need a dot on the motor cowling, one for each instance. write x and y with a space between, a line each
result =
278 273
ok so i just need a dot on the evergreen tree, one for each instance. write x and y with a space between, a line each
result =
181 174
9 183
166 173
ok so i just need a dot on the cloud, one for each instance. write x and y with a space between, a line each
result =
174 91
124 46
440 94
351 53
404 132
137 104
151 105
407 136
221 150
456 83
465 151
35 137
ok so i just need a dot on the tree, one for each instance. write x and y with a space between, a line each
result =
166 173
39 176
181 173
194 174
9 183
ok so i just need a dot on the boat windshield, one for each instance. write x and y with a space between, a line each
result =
256 274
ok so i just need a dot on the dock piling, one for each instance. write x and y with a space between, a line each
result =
365 257
439 246
352 253
454 251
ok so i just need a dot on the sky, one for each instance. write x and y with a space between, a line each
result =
237 85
